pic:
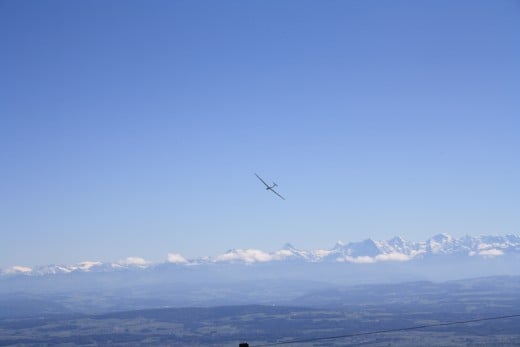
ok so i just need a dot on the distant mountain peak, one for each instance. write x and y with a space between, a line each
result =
442 237
361 252
288 246
397 239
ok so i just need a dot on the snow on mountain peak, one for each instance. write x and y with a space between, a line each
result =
366 247
288 246
397 241
363 252
442 238
17 269
440 243
371 251
339 244
87 265
176 258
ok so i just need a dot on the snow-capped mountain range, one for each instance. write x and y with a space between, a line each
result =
363 252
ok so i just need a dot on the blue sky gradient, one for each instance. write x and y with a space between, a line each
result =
134 128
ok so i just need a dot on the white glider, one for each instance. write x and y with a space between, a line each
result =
268 187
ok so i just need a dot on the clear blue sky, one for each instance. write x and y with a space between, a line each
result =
133 128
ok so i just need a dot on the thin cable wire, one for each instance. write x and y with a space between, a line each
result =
387 331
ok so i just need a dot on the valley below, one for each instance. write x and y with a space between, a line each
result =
353 314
